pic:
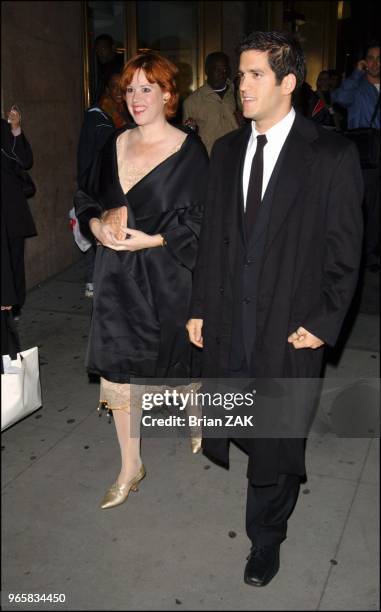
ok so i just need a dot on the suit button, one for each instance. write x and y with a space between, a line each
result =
222 290
248 262
226 241
218 340
246 300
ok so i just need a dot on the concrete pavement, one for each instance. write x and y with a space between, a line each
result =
180 543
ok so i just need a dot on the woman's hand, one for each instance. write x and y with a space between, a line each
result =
136 240
102 232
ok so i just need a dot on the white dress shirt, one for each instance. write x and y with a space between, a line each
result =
276 137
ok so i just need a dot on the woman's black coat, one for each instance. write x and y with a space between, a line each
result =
141 299
308 273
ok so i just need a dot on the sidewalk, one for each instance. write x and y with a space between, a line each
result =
180 544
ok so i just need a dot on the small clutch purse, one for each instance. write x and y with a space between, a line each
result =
117 218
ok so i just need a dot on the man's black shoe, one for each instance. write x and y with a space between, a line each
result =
262 565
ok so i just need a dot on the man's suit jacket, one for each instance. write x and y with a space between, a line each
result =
309 267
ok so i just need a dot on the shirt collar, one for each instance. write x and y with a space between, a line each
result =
278 131
210 90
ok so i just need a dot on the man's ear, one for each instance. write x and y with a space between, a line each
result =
288 84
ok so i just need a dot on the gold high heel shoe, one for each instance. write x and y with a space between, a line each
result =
117 494
196 444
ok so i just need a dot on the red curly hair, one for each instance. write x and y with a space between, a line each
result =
158 69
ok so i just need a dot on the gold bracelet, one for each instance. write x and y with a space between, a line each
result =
164 242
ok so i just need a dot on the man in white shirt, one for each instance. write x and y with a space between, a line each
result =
277 268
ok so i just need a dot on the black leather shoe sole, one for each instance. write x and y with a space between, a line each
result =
259 583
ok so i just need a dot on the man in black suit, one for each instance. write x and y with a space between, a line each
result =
277 268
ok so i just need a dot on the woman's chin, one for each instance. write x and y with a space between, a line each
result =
140 118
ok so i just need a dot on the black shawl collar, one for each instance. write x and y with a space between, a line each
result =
162 189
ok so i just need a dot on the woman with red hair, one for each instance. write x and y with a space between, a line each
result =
142 282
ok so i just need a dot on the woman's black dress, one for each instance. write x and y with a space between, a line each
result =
141 299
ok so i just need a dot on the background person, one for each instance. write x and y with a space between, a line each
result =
107 62
18 221
10 343
212 108
99 122
322 110
96 128
360 95
334 79
112 102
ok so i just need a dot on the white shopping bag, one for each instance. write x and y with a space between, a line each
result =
80 240
20 387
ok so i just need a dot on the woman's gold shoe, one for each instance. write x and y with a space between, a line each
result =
196 444
117 494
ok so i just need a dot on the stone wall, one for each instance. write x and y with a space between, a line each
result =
240 18
42 73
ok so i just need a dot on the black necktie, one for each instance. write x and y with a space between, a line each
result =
254 191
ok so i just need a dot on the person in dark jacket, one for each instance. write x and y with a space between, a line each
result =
98 124
113 103
142 283
322 110
360 94
10 343
96 128
277 267
18 221
107 62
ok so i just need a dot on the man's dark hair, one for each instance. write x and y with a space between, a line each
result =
104 38
285 53
215 57
370 45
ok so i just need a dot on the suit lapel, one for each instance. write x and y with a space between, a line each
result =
237 154
295 159
233 194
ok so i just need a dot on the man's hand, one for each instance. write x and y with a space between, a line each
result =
301 338
194 327
361 65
